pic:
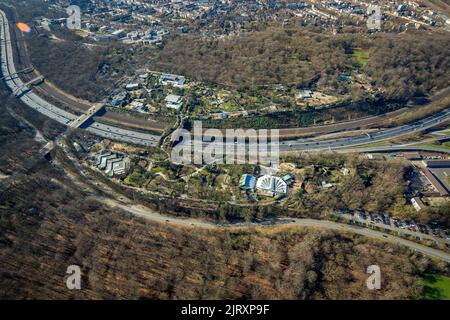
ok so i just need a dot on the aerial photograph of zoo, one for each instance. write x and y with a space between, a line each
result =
225 158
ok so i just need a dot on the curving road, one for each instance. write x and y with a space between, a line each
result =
400 148
383 135
310 223
34 101
137 137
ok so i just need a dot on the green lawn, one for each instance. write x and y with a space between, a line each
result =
361 56
135 179
445 131
443 145
370 145
229 106
436 287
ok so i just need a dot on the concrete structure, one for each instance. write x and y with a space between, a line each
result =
271 185
113 164
412 156
77 123
131 136
37 103
174 101
24 88
437 163
417 203
132 86
438 185
438 174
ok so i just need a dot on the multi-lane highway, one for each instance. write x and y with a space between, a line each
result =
382 135
34 101
128 135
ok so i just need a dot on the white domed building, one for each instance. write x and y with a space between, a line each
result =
271 185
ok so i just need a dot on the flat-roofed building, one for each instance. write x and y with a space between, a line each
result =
132 86
104 161
174 101
117 167
418 203
436 183
113 164
100 157
443 176
170 79
437 163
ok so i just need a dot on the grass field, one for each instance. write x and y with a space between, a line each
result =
443 145
436 287
135 179
361 56
371 145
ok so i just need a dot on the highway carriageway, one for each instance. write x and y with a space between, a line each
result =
418 126
342 143
126 135
34 101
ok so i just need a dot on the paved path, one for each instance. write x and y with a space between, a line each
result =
394 149
36 102
311 223
156 126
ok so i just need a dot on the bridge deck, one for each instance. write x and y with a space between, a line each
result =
85 117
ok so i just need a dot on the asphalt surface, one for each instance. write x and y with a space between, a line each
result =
310 223
23 61
34 101
137 137
394 149
155 126
383 135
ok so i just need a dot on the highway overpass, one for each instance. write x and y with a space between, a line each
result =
137 137
37 103
85 117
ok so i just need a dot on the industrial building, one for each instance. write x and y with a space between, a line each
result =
438 174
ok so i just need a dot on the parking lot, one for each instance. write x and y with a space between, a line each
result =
403 227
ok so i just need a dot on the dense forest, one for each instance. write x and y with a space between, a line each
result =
44 228
404 65
410 64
